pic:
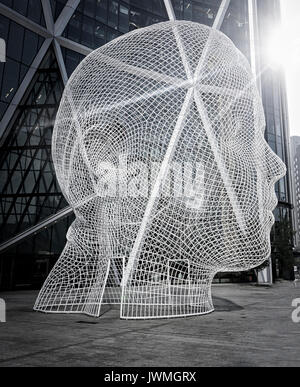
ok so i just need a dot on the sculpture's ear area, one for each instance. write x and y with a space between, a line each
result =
194 186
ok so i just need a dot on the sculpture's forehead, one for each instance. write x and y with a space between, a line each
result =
148 72
168 48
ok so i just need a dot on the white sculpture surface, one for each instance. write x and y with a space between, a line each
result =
159 148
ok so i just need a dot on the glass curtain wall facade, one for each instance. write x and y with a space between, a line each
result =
273 90
46 40
295 158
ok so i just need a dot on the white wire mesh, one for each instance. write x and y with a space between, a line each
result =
159 148
113 290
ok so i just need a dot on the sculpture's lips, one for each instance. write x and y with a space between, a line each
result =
271 217
272 203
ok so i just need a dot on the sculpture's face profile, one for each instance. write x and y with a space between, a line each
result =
159 147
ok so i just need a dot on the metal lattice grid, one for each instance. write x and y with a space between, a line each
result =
29 190
159 148
57 18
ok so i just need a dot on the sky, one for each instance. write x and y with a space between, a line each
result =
286 50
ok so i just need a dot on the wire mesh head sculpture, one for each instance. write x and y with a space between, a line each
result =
159 148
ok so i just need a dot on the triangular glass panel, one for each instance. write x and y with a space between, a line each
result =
26 153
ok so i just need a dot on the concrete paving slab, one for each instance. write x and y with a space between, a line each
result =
251 326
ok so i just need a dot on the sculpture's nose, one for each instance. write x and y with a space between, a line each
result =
275 166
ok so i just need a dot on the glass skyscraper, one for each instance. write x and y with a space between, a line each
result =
46 40
295 155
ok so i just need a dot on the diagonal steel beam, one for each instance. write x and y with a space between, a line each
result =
24 21
164 169
162 175
36 229
170 10
67 43
28 168
65 16
227 181
141 72
202 111
22 89
218 20
180 45
48 15
221 14
60 61
254 41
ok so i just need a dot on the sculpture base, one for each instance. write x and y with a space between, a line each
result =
153 302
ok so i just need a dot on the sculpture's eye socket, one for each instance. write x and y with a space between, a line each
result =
236 136
103 141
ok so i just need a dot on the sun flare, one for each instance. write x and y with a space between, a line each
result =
283 48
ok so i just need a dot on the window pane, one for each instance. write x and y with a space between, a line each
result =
87 35
100 35
113 14
72 60
4 26
159 8
89 8
34 11
21 6
10 80
15 41
111 35
236 25
74 28
30 47
3 107
101 10
124 19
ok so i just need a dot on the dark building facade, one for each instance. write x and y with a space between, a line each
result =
295 159
46 40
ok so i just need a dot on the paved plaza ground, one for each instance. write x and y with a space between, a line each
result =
251 326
